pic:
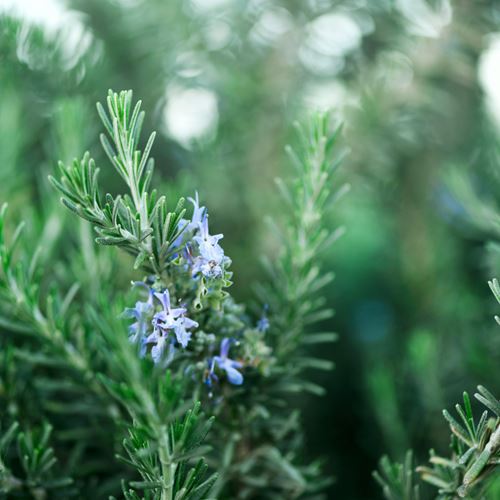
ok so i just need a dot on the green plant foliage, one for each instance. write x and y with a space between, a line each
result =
139 223
414 84
474 463
30 453
475 448
397 480
264 448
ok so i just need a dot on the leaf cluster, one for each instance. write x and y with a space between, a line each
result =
28 465
468 472
138 222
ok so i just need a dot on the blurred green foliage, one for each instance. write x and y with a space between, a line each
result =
413 306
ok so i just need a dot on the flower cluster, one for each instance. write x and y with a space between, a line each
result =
170 326
160 329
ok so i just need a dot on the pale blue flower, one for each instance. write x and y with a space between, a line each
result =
198 213
159 340
169 324
230 366
211 255
142 315
210 373
166 318
263 324
169 320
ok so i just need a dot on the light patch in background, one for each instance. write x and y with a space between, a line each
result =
209 5
56 20
318 5
489 76
218 34
329 38
191 114
271 25
422 19
395 69
48 13
326 96
189 64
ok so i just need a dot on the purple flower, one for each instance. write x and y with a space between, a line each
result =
198 213
210 374
230 366
161 341
169 320
263 324
211 255
142 315
166 318
164 322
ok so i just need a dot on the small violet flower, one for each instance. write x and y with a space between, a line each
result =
210 376
211 255
263 324
198 213
142 314
230 366
166 320
161 341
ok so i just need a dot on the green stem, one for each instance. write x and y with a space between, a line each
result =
168 467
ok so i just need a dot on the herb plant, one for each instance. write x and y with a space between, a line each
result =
169 389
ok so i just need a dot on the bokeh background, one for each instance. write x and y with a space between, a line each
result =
417 85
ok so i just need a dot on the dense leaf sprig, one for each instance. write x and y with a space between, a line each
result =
265 447
37 472
139 221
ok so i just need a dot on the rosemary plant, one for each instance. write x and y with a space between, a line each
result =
170 390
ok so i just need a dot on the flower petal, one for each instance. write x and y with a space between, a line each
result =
189 323
157 350
233 375
164 299
224 347
182 336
